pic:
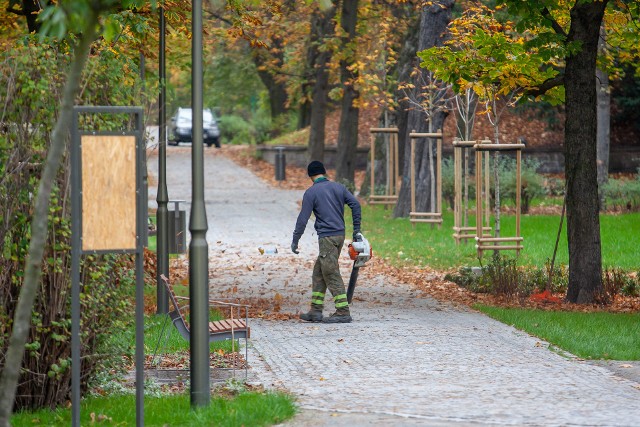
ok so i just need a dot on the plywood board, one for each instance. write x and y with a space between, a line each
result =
108 192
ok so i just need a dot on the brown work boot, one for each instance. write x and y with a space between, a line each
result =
312 316
338 317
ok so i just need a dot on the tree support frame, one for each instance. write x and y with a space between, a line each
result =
497 243
434 217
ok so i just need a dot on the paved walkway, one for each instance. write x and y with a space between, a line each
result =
406 359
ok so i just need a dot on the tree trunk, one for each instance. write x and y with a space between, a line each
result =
583 222
322 27
465 118
433 25
277 90
277 95
33 270
407 61
348 130
30 9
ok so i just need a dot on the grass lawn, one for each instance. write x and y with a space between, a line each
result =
400 242
239 408
596 335
246 409
172 341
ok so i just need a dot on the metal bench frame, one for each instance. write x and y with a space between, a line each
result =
235 327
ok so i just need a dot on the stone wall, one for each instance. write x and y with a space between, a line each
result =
621 159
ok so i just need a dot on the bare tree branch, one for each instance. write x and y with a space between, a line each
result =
545 86
554 24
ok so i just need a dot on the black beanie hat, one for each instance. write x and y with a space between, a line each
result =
316 168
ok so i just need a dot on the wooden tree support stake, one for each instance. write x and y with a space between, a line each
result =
462 231
483 242
390 139
434 217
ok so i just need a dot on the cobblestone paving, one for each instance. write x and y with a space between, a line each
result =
406 359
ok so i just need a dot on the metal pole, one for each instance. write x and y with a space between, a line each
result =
141 219
198 247
76 211
162 198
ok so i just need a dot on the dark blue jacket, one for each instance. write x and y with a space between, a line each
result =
326 199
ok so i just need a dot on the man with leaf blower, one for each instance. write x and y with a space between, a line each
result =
326 199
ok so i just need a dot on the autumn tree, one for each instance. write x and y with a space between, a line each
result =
22 321
52 65
434 18
29 9
478 38
554 56
272 37
349 114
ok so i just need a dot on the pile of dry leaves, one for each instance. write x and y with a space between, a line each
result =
433 284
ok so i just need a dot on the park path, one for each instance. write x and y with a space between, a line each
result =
406 359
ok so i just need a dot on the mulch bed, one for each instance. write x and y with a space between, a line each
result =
432 283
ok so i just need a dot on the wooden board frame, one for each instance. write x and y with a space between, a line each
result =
94 207
497 243
461 231
427 217
390 196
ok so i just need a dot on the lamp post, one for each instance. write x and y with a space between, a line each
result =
162 198
198 247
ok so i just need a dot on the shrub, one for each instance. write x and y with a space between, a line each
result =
502 277
631 288
31 79
236 130
622 194
448 182
532 182
554 186
467 278
616 281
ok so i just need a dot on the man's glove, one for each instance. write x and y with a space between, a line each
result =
356 235
294 248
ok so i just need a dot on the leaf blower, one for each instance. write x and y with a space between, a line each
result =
360 252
